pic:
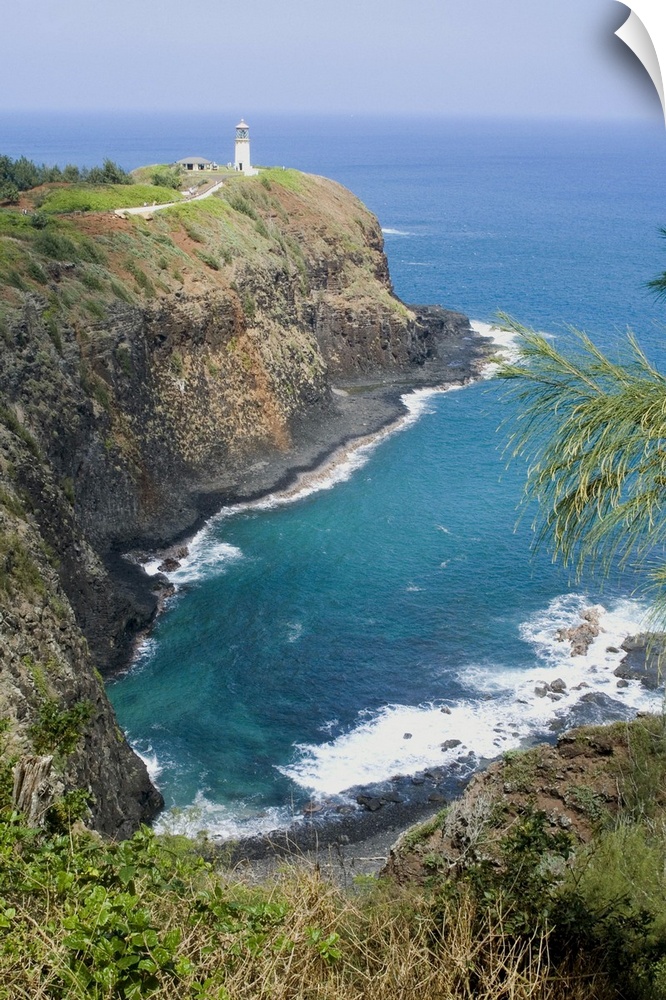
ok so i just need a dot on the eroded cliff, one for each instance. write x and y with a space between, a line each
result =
150 367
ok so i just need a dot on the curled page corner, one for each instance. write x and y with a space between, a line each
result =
644 32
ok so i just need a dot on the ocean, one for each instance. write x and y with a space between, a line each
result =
314 640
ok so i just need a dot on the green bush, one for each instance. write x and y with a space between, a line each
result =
58 730
9 193
241 204
167 177
209 260
18 570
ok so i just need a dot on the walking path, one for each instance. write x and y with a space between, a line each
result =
149 209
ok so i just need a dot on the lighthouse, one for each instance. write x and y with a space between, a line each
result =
242 161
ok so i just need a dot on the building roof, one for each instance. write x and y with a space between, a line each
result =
242 124
195 159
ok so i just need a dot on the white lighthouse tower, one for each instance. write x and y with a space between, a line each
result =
242 161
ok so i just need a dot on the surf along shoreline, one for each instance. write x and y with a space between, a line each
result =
364 819
362 412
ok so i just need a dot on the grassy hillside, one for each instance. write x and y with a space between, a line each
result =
102 198
250 224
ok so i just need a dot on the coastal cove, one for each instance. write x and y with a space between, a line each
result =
443 659
485 666
378 628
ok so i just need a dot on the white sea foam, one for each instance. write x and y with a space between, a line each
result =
208 556
294 631
153 766
505 341
401 739
220 821
395 232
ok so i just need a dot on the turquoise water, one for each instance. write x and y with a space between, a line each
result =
309 637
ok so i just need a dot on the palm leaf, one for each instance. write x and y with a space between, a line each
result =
593 432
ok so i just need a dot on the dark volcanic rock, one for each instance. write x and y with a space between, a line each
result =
125 430
645 660
370 802
595 708
168 565
581 636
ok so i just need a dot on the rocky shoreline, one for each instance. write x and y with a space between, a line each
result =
359 409
355 829
194 380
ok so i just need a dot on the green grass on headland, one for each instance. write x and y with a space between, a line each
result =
292 180
106 198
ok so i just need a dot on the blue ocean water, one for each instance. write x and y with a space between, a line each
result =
309 636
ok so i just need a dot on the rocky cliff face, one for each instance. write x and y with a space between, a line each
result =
148 365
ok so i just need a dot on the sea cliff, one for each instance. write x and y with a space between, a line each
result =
152 368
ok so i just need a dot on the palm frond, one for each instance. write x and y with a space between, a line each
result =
593 432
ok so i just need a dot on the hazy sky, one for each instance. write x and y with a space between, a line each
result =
519 57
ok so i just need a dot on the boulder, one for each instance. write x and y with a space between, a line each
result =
370 802
558 686
581 636
168 565
645 660
541 689
450 744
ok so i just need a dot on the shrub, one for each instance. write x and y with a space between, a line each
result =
240 203
176 364
59 730
18 570
56 245
36 272
9 193
167 177
11 421
209 260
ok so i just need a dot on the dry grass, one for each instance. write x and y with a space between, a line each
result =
380 943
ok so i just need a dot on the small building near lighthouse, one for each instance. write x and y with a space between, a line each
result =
242 161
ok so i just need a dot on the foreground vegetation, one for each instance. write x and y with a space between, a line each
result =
592 430
528 912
